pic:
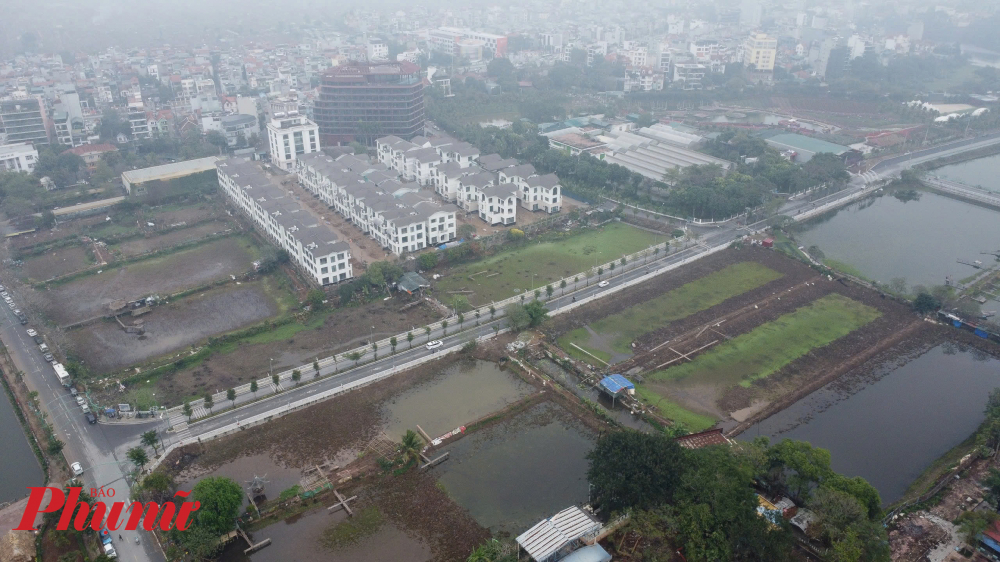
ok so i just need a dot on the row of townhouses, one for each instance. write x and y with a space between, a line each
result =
489 186
399 216
311 245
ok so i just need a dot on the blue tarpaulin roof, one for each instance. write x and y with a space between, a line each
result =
616 383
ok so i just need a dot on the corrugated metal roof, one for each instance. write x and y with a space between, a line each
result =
548 536
616 383
592 553
170 171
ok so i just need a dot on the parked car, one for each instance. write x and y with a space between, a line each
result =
77 468
85 408
91 418
43 348
32 332
49 357
12 305
604 283
434 344
73 391
4 294
38 339
81 400
109 551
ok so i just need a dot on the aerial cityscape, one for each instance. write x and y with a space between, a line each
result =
545 280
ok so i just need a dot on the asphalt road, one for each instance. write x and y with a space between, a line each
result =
101 448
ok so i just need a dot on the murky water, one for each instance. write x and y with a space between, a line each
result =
511 475
981 172
889 431
920 241
298 539
19 467
462 393
243 470
620 413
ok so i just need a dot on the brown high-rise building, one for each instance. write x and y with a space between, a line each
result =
364 101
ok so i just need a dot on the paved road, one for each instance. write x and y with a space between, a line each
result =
892 166
99 447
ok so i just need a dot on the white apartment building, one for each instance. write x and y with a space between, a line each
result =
397 216
311 245
471 188
498 204
643 80
535 192
377 50
290 136
20 157
689 75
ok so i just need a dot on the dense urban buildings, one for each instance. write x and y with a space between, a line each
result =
361 102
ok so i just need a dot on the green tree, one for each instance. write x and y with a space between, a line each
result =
375 350
548 291
186 410
517 316
465 231
150 439
629 469
231 396
925 303
393 343
354 356
253 388
536 312
493 312
158 483
207 402
316 369
992 485
461 304
409 339
427 260
296 376
216 138
444 326
411 446
461 321
562 287
221 499
276 381
315 299
427 332
138 457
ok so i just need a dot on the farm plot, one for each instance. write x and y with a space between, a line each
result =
156 242
106 347
613 335
689 391
56 263
88 297
510 273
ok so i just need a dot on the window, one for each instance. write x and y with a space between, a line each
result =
324 270
322 260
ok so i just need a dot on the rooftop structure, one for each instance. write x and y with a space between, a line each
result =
22 122
133 179
362 102
805 147
548 538
652 158
20 157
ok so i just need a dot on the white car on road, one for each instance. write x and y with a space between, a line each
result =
32 332
434 344
604 283
77 468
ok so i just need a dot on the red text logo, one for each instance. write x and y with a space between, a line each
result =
79 512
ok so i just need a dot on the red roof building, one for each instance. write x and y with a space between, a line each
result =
92 153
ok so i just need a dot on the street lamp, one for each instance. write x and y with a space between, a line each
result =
272 366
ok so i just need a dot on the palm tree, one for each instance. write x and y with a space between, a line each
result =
411 446
253 388
409 339
231 395
150 439
427 332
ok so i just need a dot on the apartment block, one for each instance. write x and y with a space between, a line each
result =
361 102
311 245
20 157
23 121
398 216
290 136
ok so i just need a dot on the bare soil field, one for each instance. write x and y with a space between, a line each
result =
154 242
343 329
89 296
73 227
105 346
56 263
171 215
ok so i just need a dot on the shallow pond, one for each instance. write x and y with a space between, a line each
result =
461 394
19 466
298 539
920 241
512 474
890 427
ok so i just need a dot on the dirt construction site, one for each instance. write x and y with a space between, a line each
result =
751 354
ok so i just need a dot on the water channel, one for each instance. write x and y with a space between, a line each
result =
19 466
889 427
981 172
885 238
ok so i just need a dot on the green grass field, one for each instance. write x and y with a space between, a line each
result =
624 327
674 412
509 273
771 346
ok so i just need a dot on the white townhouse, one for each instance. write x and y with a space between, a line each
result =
494 163
462 152
448 178
390 151
498 204
470 188
311 245
535 192
418 164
